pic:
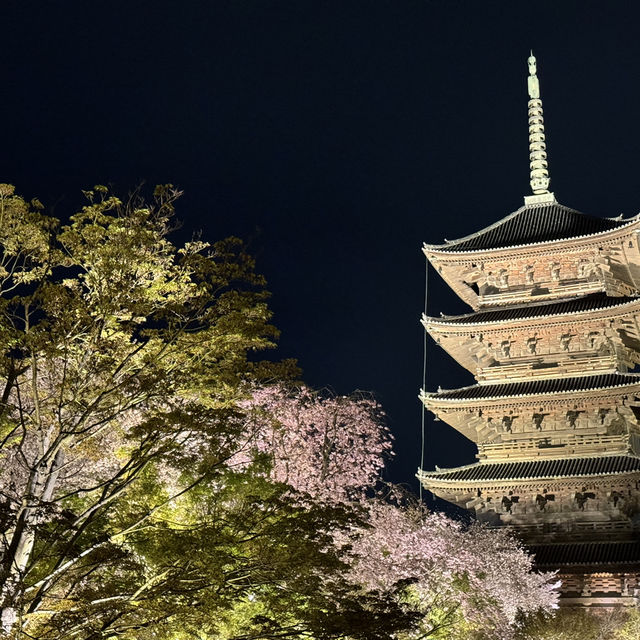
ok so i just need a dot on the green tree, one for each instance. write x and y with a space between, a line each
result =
122 357
151 485
582 624
127 365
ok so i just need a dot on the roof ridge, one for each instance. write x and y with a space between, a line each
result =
607 302
567 471
542 228
522 209
485 462
599 382
493 225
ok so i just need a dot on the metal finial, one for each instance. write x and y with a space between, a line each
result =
537 148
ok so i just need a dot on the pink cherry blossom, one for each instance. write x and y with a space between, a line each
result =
475 574
331 447
334 449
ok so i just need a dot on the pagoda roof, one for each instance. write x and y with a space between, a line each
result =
538 387
533 224
586 553
530 469
593 302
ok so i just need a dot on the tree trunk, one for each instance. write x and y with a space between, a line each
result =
21 540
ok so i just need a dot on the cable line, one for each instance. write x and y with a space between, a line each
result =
424 373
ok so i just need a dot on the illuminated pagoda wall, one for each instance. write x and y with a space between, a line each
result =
551 341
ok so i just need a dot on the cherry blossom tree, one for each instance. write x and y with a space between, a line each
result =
463 579
150 485
126 364
331 447
460 578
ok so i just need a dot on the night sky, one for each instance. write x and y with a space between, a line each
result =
335 138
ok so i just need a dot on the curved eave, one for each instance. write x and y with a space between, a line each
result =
449 322
436 399
435 478
583 553
447 250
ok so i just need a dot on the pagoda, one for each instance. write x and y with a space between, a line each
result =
553 342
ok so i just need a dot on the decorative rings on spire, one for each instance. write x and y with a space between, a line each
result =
537 146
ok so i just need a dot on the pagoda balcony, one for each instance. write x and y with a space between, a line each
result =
593 333
524 368
573 445
546 291
559 407
560 513
596 513
611 529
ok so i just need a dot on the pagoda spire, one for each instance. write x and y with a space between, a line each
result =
537 147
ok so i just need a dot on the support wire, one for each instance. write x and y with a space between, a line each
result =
424 375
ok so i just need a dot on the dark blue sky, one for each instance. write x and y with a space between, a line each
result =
335 137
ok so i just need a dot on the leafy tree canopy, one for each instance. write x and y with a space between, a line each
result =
158 481
122 357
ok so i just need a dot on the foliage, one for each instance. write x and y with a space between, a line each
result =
330 447
156 483
583 624
453 579
467 581
122 356
247 561
630 627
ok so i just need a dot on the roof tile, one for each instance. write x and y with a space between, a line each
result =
539 387
591 302
586 553
557 468
533 224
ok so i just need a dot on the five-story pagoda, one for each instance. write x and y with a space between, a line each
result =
553 337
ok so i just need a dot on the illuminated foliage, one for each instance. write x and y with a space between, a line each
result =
154 486
465 581
454 580
330 447
117 350
583 624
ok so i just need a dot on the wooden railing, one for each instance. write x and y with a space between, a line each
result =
529 507
524 294
550 447
526 367
545 528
